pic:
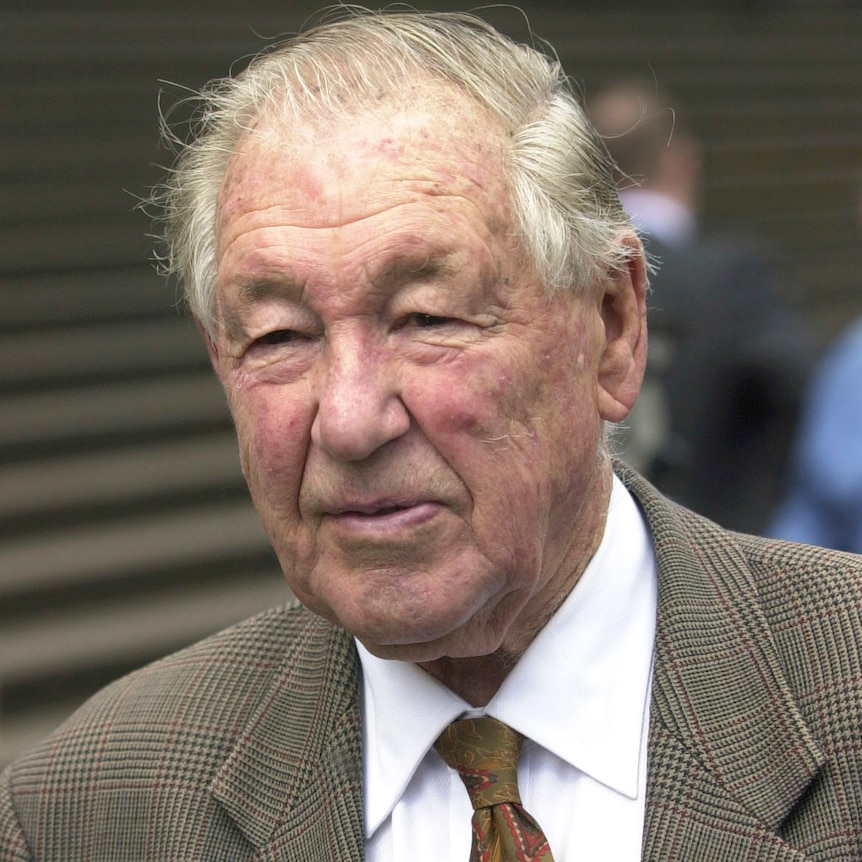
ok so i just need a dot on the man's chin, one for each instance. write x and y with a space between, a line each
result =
402 621
416 652
459 643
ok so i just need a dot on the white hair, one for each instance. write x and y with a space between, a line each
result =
560 178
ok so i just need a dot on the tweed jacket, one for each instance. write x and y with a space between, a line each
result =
247 746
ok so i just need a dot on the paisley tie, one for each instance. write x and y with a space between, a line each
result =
485 752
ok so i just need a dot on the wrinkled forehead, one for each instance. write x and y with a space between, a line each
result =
429 135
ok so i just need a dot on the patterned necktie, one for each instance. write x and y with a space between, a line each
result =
486 752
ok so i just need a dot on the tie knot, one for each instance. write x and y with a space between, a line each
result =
485 752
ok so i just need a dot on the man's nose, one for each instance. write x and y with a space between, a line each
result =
359 408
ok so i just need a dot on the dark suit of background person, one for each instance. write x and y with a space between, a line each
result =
249 745
728 358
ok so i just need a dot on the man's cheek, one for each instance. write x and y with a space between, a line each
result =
270 446
468 401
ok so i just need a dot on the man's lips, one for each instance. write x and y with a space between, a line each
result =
371 508
381 515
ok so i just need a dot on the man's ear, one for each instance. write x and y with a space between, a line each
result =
623 312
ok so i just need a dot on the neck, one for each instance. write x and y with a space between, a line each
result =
477 679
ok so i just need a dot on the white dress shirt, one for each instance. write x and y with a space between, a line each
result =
580 694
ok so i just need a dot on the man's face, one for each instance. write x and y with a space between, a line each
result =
417 419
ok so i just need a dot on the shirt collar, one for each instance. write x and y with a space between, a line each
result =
580 666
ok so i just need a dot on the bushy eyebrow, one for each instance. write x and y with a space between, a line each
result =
255 290
399 270
394 271
252 291
405 268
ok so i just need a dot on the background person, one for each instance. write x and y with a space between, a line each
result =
728 358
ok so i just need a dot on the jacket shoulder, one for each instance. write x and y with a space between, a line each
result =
812 598
169 757
189 706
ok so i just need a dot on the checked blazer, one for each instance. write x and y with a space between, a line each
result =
247 746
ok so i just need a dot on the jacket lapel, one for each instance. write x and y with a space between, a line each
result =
293 782
729 752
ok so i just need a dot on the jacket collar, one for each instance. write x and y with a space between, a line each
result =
293 781
726 730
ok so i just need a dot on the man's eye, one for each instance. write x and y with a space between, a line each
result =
426 321
278 336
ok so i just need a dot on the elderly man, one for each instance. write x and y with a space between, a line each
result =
402 241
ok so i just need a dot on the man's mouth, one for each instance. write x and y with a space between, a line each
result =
382 516
374 509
